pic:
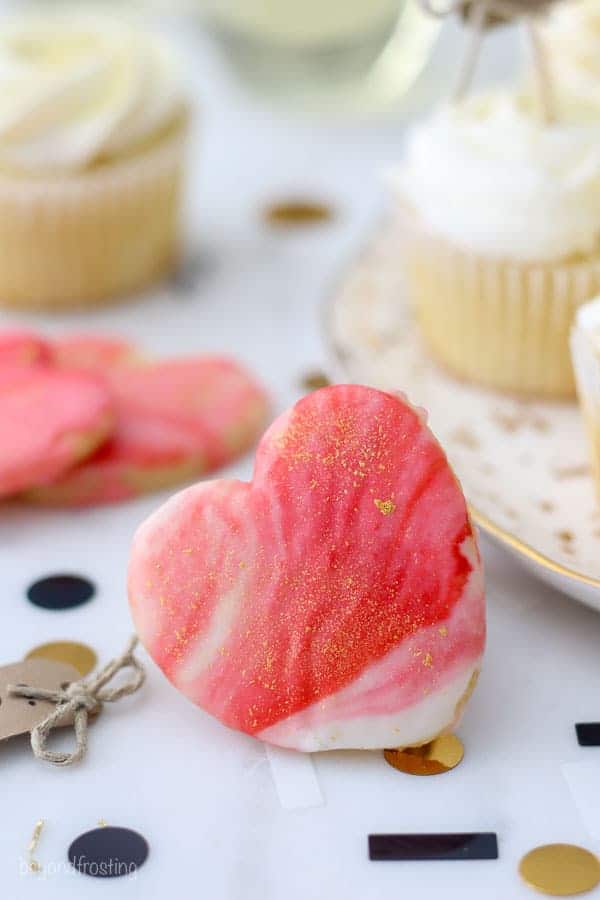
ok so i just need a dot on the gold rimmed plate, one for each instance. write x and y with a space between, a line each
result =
523 465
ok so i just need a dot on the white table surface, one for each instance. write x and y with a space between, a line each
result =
204 796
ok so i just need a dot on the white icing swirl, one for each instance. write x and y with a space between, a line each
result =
491 178
572 37
73 93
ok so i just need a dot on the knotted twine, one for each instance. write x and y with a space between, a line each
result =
80 699
480 14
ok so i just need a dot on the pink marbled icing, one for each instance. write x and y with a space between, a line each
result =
343 583
175 419
22 348
49 420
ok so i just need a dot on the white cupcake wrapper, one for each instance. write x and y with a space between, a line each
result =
90 237
586 362
497 322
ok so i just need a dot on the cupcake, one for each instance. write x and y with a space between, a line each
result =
92 128
585 347
571 34
500 237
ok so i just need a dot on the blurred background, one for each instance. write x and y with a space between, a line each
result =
356 58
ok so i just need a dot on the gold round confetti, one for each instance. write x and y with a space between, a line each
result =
312 381
441 755
298 212
560 870
80 656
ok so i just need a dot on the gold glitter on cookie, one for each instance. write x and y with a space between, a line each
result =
385 507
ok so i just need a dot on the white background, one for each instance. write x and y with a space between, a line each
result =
203 796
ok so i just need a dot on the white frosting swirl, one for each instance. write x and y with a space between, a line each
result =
491 178
572 37
73 93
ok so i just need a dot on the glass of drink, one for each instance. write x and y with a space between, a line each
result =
337 54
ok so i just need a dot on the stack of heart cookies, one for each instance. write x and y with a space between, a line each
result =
88 420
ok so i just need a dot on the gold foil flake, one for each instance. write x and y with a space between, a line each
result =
439 756
443 631
385 507
560 870
428 660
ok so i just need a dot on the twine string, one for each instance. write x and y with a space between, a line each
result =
80 699
541 68
477 19
479 13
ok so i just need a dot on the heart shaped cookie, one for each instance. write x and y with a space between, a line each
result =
50 420
336 600
22 348
176 419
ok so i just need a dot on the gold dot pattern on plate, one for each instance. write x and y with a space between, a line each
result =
439 756
298 212
560 870
575 471
466 438
82 657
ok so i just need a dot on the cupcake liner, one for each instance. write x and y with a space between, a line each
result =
586 362
497 322
92 237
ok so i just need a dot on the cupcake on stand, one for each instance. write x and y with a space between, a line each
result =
466 299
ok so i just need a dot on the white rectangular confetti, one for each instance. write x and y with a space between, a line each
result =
583 779
295 778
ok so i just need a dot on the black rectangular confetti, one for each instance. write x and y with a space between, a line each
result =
405 847
588 734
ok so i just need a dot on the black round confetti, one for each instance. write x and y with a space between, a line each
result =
61 591
108 852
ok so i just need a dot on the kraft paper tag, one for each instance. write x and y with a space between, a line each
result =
18 715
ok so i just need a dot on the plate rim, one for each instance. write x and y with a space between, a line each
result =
524 549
